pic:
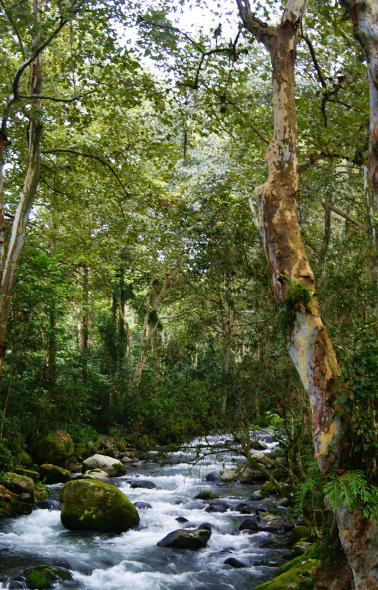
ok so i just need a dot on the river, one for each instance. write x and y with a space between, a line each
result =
133 560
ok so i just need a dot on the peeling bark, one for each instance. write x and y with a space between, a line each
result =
308 342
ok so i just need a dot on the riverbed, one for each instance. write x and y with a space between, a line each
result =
133 560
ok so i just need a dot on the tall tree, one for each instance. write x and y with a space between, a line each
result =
293 279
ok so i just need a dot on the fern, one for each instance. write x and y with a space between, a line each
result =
352 490
334 491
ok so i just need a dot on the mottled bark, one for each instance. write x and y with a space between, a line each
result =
308 342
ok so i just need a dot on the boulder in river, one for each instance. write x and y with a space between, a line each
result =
228 475
268 489
113 467
270 522
19 484
245 508
11 504
299 533
55 449
206 495
249 476
266 505
235 563
182 539
182 519
213 476
96 506
143 506
301 547
218 506
256 496
34 475
41 576
249 524
143 483
51 474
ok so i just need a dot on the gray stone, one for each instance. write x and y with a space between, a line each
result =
113 467
182 539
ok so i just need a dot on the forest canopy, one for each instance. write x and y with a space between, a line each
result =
182 206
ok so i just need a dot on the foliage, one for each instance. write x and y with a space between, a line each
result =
353 490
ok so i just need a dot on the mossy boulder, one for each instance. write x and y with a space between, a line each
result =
80 453
268 489
42 575
301 547
96 506
108 453
51 474
19 484
294 562
228 475
11 505
34 475
56 449
37 581
206 495
298 533
297 578
25 459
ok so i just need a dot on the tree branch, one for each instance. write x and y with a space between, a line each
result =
78 153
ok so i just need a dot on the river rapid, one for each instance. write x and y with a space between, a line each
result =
133 560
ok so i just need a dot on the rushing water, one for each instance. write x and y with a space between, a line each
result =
133 559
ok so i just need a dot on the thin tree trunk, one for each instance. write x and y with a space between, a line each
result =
52 333
326 238
85 323
29 189
358 534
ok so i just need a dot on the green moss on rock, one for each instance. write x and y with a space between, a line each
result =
298 533
19 484
55 449
268 489
53 573
25 459
293 563
34 475
37 581
96 506
51 474
206 495
297 578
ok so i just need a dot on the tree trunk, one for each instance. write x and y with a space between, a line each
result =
308 342
29 189
358 534
364 15
52 332
85 323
